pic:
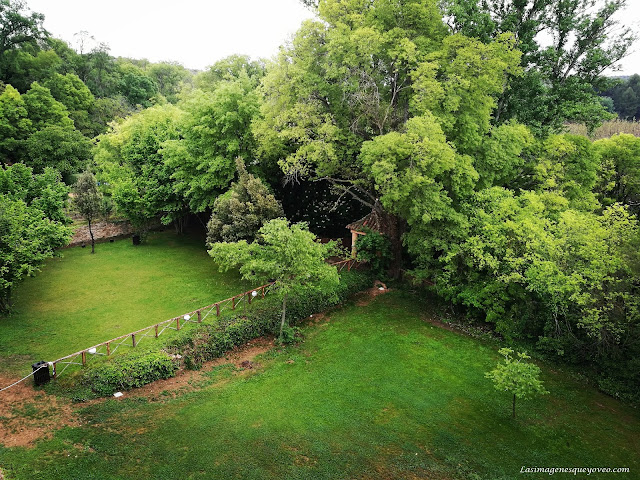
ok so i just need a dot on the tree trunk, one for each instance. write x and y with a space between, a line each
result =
284 313
93 242
514 406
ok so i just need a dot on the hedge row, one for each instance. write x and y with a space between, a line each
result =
129 371
209 341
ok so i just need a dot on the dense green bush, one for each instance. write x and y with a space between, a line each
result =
375 248
129 371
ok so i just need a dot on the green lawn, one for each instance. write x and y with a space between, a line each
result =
374 393
81 299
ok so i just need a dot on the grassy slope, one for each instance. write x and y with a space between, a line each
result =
82 299
375 393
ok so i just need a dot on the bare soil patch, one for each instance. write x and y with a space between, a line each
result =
27 414
365 297
186 380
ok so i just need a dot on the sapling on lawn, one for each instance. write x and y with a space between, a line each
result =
516 376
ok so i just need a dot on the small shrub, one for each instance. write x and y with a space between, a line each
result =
375 248
290 335
129 371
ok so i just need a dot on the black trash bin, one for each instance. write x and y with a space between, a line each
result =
41 373
136 239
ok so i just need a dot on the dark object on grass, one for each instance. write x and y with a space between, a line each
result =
41 373
111 240
136 239
83 245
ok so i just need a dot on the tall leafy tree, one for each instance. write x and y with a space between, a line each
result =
563 74
216 129
130 159
88 200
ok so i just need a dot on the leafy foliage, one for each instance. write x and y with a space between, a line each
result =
286 254
517 377
127 372
215 130
375 248
239 214
130 161
560 80
32 224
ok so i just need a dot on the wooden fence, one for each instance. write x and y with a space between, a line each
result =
176 323
154 331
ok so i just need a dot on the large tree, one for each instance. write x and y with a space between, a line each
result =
18 27
215 130
566 46
129 157
32 224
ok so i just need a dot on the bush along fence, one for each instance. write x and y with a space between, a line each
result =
208 341
154 331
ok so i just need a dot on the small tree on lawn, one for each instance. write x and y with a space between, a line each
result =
285 253
516 376
88 200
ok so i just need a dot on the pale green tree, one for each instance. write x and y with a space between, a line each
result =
517 377
288 254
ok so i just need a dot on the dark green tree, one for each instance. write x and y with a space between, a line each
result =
18 27
240 212
87 200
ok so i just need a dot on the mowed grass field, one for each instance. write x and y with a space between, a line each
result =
374 392
80 299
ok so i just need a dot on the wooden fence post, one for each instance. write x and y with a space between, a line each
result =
249 296
217 309
199 316
178 323
133 339
263 291
233 303
84 358
55 371
108 348
156 327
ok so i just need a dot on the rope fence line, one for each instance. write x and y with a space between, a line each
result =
132 339
23 379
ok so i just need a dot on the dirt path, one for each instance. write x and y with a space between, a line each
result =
28 414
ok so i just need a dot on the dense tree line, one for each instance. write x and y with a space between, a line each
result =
625 96
444 117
